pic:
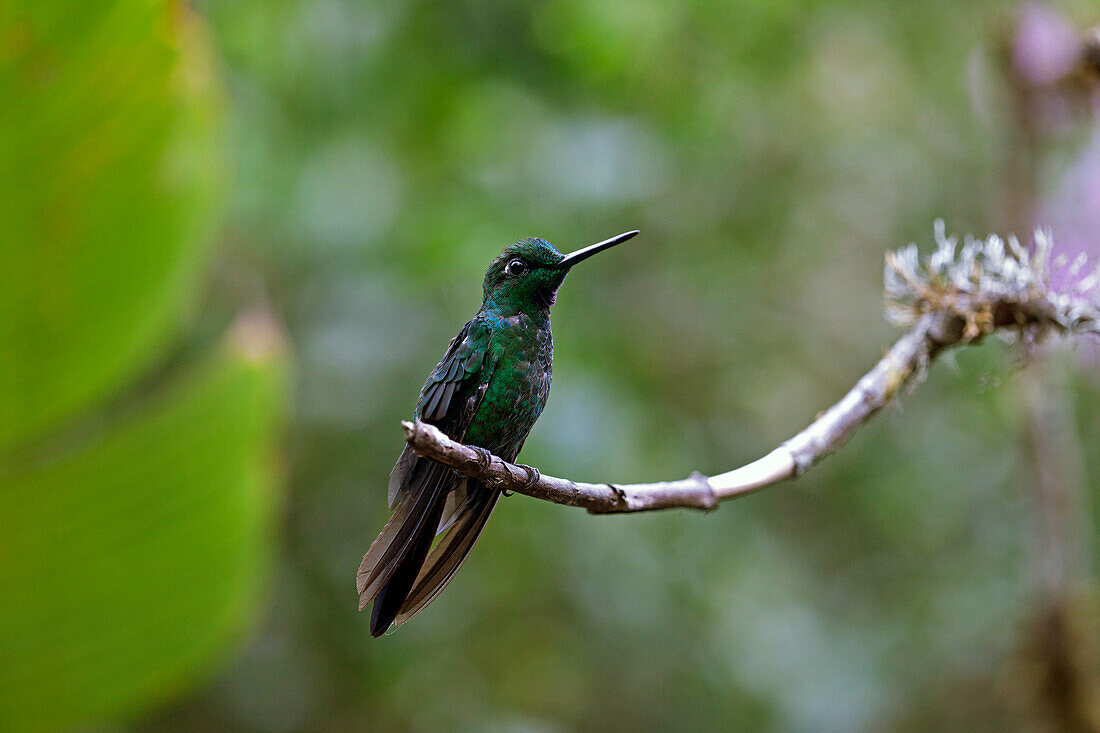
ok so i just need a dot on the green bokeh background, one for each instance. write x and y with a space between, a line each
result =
374 158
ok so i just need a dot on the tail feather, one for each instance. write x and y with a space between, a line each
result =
398 476
401 572
427 487
445 560
457 502
393 593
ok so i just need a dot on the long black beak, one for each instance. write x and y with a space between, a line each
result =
585 252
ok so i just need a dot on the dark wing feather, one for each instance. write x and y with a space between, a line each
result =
457 371
463 359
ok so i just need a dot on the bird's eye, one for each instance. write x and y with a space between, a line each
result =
515 267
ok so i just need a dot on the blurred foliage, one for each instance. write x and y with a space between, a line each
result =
135 484
128 563
112 179
769 152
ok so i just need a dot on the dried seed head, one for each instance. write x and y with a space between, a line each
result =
992 284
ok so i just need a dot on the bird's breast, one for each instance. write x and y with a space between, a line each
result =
517 389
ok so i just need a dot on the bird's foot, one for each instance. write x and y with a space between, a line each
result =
484 462
484 457
533 475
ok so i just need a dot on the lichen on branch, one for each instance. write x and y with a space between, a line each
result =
993 285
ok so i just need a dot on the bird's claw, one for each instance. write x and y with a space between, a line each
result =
619 493
484 457
533 475
484 462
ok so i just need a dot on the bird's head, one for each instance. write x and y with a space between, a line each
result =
527 274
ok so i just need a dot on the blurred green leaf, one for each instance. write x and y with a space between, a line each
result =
110 181
134 542
131 562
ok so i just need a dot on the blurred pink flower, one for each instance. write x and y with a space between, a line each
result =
1046 47
1072 213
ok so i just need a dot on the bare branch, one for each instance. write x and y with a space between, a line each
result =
427 440
990 287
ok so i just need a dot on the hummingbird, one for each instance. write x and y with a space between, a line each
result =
487 391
